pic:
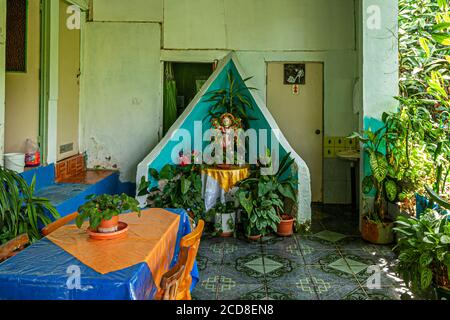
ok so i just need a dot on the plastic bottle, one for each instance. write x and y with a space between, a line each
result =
32 154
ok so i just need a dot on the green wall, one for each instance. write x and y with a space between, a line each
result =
121 112
259 31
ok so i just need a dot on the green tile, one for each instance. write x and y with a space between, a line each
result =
258 294
348 266
276 266
356 266
330 264
257 265
341 265
330 236
271 265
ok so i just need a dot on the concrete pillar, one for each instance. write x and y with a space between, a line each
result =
379 66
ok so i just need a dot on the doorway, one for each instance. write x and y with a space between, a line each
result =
69 86
22 74
298 111
182 82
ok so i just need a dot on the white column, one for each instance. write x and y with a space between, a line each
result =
52 133
380 66
380 57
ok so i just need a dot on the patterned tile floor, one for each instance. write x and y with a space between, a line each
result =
332 262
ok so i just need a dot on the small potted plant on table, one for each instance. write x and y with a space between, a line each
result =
225 218
103 212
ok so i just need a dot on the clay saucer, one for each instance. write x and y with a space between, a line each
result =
120 233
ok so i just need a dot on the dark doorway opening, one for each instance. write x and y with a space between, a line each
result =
181 84
189 77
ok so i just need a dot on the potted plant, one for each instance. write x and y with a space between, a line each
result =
103 212
20 210
231 100
175 186
424 252
225 218
285 185
261 204
377 227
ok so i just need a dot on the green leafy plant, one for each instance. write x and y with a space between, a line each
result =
20 210
177 187
232 100
381 178
436 198
424 50
105 207
262 198
223 208
424 251
423 44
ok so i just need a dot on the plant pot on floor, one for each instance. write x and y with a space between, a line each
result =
227 222
109 226
442 293
377 232
286 226
254 238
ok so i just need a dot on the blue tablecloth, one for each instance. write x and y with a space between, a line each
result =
44 271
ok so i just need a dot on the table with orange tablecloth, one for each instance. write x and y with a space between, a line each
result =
151 239
121 269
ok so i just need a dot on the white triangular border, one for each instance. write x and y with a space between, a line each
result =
304 186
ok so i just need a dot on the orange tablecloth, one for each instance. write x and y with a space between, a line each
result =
151 239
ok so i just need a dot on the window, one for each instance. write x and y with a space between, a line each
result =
16 35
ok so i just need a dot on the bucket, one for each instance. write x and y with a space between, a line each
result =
15 162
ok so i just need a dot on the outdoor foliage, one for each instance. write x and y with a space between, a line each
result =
412 149
424 246
422 123
424 44
104 207
20 210
420 131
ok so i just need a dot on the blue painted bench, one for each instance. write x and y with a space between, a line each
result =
68 197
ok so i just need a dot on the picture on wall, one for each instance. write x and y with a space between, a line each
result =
294 73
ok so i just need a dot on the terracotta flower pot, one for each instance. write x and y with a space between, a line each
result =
223 219
255 238
108 226
377 233
286 226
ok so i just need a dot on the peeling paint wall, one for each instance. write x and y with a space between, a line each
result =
121 113
122 63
